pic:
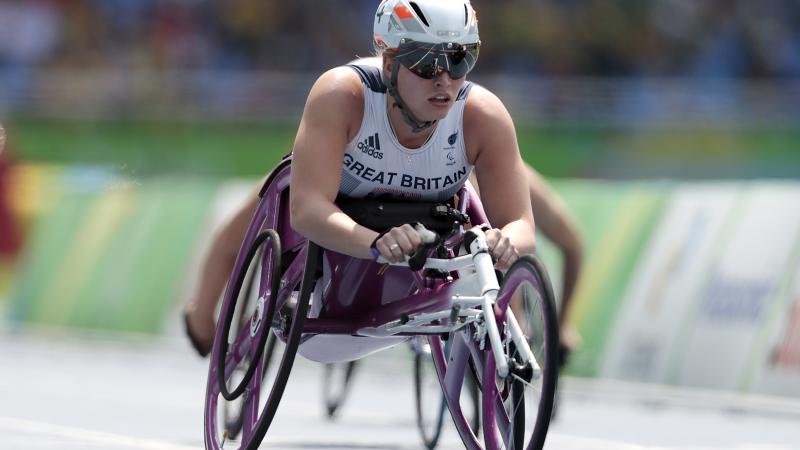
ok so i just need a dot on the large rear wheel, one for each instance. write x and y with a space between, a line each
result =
279 314
516 408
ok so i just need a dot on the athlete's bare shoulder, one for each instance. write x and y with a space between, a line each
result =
337 97
486 120
340 83
482 104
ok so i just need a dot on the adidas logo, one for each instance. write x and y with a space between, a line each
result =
371 146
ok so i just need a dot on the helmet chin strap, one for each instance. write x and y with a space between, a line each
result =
416 124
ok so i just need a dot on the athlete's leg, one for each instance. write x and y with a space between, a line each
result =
215 269
555 221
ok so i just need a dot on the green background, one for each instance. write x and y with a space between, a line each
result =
138 148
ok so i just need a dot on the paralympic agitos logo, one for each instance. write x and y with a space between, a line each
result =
371 146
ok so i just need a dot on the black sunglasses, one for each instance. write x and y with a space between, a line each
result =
429 60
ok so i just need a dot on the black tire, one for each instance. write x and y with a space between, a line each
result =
234 413
540 323
336 382
429 423
233 416
227 316
293 331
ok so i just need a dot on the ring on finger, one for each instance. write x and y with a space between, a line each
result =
393 246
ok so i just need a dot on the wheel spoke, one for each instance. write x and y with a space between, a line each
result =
241 347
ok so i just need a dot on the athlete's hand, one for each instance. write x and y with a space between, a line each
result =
398 242
501 248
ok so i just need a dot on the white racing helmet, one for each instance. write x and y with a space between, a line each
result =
427 37
428 21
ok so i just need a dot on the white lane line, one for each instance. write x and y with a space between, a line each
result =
12 425
564 441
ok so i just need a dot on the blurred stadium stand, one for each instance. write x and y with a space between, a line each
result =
726 38
594 62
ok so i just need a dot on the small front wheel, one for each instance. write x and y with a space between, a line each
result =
336 382
428 398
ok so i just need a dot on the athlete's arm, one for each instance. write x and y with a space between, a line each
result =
492 147
331 118
554 221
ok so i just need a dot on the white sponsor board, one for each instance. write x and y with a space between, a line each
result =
662 290
715 300
778 371
744 292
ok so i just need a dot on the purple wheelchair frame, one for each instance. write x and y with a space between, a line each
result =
362 296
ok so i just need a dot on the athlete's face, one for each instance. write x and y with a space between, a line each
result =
428 99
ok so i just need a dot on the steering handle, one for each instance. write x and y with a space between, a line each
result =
429 240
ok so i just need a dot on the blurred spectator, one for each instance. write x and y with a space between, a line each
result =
734 38
244 58
29 32
9 234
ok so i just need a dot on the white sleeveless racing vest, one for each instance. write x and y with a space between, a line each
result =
377 165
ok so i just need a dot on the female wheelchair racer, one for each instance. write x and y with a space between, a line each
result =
434 127
363 306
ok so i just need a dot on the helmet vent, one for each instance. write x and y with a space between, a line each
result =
421 16
466 15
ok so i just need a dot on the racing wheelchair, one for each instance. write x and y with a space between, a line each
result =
330 308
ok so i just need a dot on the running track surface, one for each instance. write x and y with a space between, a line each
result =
60 391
